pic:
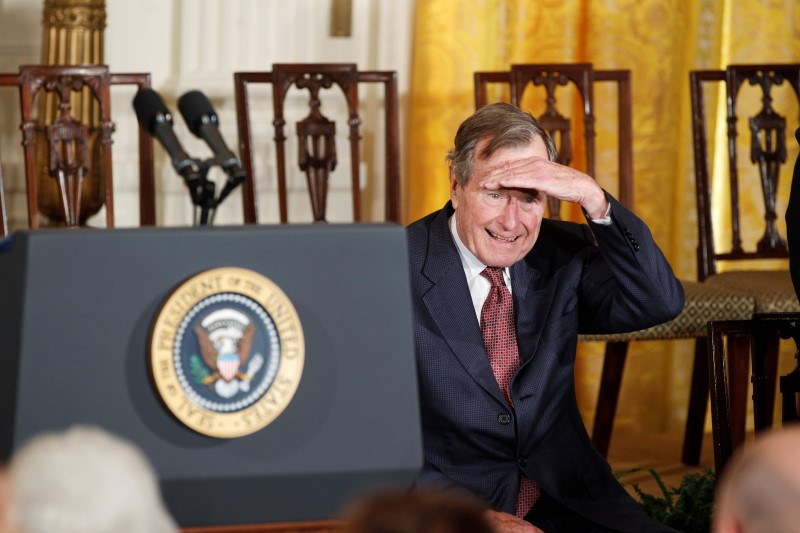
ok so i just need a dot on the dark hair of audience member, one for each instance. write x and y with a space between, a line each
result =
416 512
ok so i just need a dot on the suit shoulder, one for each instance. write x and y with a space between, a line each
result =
418 236
418 231
421 226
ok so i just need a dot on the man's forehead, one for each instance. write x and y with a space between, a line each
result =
486 153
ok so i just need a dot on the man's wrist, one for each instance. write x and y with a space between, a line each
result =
597 205
604 216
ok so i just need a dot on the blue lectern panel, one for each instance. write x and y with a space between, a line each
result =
75 319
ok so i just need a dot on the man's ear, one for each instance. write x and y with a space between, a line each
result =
453 186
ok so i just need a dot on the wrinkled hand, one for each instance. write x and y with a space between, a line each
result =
508 523
552 179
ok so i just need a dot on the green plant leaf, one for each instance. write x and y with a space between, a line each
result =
688 508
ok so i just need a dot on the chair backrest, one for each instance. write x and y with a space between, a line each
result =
765 145
316 141
67 144
583 77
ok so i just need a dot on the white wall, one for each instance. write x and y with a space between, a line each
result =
199 44
20 42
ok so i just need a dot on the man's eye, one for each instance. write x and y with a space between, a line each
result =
529 199
494 195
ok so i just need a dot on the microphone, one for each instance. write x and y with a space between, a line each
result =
154 117
204 123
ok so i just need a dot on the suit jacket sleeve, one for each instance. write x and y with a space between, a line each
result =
628 285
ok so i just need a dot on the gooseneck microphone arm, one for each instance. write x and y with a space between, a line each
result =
203 122
156 119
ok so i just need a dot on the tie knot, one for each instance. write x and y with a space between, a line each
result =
494 275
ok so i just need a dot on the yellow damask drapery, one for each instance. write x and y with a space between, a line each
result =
660 41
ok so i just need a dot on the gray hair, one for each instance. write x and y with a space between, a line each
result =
506 125
85 480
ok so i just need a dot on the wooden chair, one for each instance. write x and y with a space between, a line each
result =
754 338
761 331
726 245
67 151
702 302
317 155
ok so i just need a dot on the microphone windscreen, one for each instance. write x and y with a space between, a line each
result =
148 105
194 106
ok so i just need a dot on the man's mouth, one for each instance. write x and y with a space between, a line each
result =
500 238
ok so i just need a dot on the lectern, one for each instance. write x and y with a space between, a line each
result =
85 313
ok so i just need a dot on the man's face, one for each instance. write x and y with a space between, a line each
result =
499 226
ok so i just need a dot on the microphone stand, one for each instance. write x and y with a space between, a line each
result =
203 191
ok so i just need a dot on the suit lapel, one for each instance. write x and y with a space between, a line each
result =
449 303
531 304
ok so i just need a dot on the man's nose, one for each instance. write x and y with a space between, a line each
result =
509 216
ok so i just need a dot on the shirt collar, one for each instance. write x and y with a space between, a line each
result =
472 265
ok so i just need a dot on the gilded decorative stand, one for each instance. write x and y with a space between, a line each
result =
73 35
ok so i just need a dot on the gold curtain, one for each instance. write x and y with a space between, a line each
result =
660 41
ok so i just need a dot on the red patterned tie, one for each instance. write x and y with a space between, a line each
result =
500 339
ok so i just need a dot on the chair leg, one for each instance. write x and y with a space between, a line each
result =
608 395
738 365
698 403
738 373
771 371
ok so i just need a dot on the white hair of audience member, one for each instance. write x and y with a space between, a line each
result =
85 480
759 490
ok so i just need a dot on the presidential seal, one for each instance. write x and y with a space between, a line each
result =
227 352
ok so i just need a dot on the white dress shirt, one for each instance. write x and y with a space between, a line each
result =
479 286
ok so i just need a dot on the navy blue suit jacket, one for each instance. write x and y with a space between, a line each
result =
793 223
575 280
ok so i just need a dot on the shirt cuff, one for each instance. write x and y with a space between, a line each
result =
606 219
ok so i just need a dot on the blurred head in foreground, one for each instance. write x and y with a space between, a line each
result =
84 480
759 490
5 522
416 512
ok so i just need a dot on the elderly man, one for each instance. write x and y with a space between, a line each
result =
500 295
